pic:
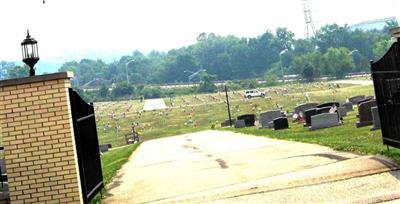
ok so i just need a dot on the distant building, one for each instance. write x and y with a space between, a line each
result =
377 24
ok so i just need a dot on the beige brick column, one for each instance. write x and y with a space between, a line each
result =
38 139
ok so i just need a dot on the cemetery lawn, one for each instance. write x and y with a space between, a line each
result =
194 113
112 161
342 138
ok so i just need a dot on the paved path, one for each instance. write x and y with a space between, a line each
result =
225 167
154 104
349 81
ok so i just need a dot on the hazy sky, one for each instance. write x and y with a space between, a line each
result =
64 27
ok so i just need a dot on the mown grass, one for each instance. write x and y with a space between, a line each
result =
200 112
342 138
112 161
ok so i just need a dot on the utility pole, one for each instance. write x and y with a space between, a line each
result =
229 109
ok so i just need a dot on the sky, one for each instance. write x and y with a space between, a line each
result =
70 29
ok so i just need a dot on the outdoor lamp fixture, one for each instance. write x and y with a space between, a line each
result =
30 54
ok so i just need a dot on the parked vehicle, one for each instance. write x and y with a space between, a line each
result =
253 93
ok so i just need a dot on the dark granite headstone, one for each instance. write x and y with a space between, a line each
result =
307 115
355 99
226 123
269 116
329 104
303 107
368 98
365 114
249 119
281 123
323 110
348 106
342 111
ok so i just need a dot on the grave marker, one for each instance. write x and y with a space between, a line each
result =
281 123
226 123
342 111
329 104
324 120
249 119
354 100
376 121
240 124
365 114
348 106
308 114
269 116
303 107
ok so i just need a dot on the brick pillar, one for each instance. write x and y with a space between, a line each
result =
38 139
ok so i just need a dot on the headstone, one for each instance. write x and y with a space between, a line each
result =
249 119
368 98
104 147
329 104
365 114
354 100
323 110
342 111
376 121
226 123
348 106
324 120
271 124
269 116
281 123
240 124
303 107
307 115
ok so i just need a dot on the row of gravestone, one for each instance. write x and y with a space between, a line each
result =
368 113
317 116
325 115
269 119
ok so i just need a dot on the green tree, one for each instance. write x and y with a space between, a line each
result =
18 72
207 85
271 80
381 47
309 65
308 73
103 91
152 92
122 89
339 61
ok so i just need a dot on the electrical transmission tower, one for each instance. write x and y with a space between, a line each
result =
310 28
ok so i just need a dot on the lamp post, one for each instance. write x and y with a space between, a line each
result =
353 51
280 60
187 71
30 54
126 70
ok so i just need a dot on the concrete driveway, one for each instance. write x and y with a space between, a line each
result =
225 167
154 104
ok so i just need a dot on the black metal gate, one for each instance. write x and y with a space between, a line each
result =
87 146
386 77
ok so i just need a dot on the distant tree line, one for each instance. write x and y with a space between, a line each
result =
334 51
